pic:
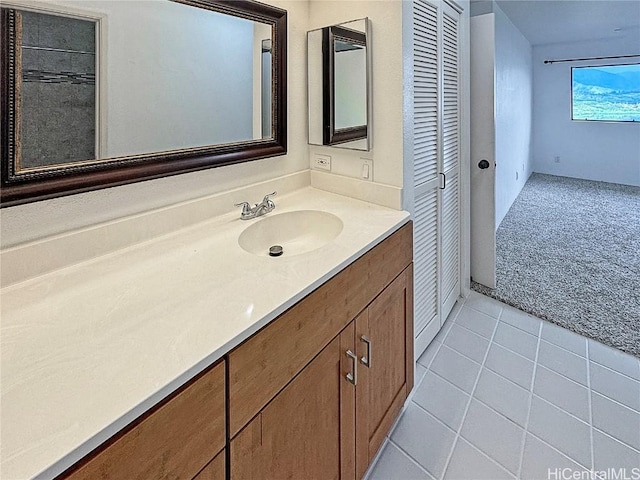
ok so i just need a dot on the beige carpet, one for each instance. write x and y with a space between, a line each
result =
568 251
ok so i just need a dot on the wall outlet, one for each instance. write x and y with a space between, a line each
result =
367 169
323 162
556 159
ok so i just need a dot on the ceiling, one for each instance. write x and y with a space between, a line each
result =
559 21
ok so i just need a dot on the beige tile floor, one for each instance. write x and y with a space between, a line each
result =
501 394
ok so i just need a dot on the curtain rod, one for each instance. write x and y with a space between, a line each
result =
589 58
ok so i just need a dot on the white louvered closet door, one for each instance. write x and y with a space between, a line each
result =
425 167
436 157
450 167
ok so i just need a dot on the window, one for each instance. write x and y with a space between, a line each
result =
607 93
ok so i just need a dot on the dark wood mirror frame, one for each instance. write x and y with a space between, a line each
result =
331 135
23 187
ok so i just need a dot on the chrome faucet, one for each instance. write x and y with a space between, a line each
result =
258 209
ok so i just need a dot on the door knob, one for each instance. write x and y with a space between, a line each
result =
483 164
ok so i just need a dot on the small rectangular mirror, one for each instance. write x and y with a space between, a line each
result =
339 82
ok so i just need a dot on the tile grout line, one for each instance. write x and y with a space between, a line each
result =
473 389
610 369
448 381
549 402
593 458
469 330
441 422
511 351
563 348
485 313
559 452
617 440
526 422
519 327
410 458
605 395
451 347
399 447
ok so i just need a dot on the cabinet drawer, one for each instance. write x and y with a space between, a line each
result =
265 363
174 440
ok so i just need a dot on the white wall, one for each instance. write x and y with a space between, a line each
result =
386 34
513 112
35 220
603 151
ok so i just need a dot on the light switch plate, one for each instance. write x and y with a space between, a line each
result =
367 170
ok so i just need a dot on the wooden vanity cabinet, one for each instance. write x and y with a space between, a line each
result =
310 396
176 439
326 417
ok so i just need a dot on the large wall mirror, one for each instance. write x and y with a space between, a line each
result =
339 63
102 93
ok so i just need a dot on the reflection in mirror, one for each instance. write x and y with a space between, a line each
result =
348 48
56 90
266 88
203 80
339 86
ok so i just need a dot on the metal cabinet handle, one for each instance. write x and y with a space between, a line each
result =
353 375
366 360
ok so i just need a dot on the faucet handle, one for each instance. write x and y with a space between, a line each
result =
246 207
267 201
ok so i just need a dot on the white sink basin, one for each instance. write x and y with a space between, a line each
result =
297 232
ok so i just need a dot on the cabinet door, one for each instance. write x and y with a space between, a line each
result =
307 430
384 343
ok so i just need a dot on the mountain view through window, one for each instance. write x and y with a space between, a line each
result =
608 93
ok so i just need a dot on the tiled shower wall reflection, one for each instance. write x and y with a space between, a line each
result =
58 92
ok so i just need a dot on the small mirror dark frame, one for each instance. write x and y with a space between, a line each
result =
331 135
23 187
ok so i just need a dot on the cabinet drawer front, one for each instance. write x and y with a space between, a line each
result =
264 364
175 440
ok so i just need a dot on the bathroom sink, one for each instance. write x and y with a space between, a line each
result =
297 232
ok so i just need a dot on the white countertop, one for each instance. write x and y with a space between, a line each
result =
87 349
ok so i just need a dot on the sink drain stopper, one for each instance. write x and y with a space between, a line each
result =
275 251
